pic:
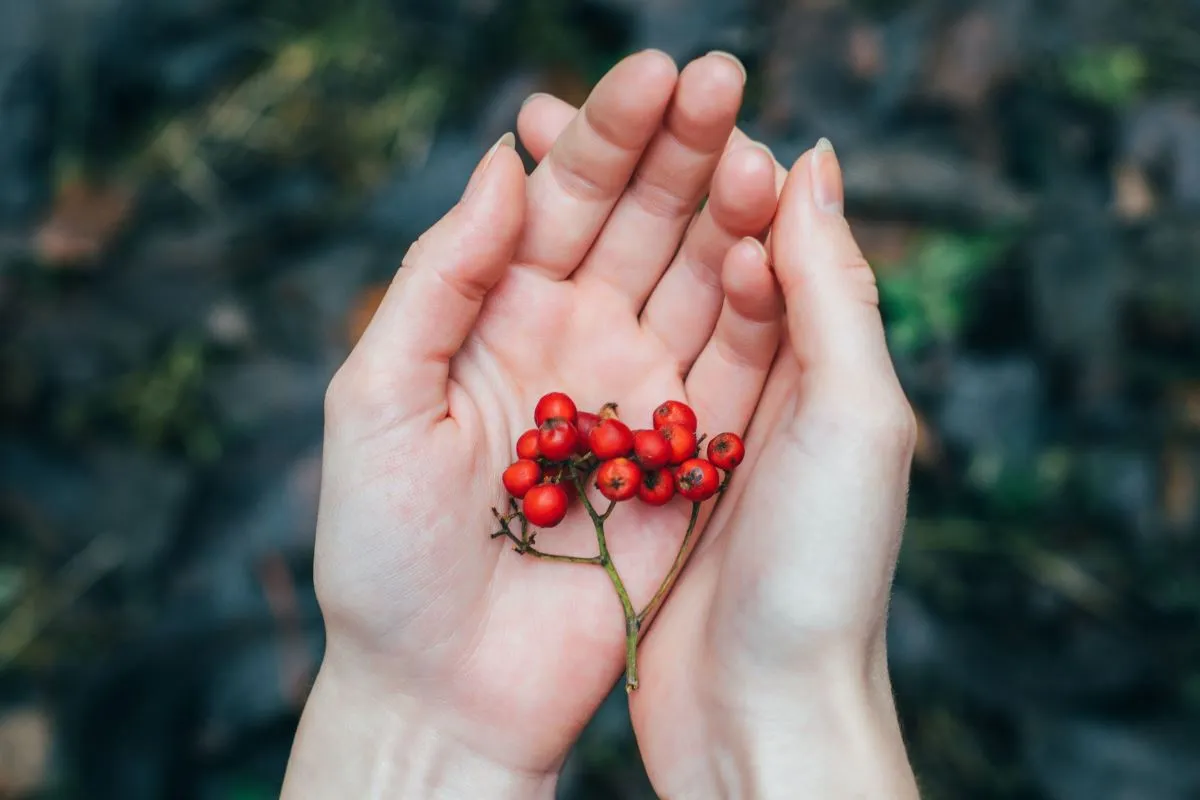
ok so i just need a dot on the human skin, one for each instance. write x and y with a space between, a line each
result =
454 667
765 674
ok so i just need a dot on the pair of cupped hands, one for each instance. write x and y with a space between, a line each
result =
454 667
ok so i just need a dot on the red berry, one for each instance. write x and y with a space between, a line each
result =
673 411
555 405
527 445
658 487
557 439
545 505
587 420
726 450
651 449
681 440
521 476
697 479
619 479
611 438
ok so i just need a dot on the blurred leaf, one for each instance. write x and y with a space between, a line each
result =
1111 77
923 296
82 224
163 404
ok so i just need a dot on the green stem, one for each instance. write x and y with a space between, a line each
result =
632 623
681 557
558 557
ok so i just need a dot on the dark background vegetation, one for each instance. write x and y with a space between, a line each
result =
199 203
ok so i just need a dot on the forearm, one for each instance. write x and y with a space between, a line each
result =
353 744
832 734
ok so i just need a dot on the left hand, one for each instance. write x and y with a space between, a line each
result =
766 674
453 665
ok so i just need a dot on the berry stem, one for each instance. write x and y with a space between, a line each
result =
524 543
632 623
665 588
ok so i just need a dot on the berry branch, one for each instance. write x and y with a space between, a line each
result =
651 465
631 620
668 582
524 544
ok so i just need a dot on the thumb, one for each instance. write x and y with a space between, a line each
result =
401 365
832 299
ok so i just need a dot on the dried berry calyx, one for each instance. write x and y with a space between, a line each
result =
569 450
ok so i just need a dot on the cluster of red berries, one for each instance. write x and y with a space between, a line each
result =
651 465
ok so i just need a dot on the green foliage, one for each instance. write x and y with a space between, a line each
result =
162 404
1109 76
924 295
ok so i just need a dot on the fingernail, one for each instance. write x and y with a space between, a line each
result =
737 62
507 140
761 146
826 177
531 98
750 241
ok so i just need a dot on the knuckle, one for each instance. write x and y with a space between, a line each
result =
892 423
338 393
577 180
658 200
863 285
881 420
412 255
355 392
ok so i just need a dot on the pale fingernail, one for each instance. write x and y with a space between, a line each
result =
737 62
761 146
756 246
509 139
531 98
826 178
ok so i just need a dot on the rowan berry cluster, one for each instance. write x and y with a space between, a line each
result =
568 447
651 465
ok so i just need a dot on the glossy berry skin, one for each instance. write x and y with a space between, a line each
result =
587 420
557 439
521 476
555 405
545 505
674 411
651 449
527 445
726 450
681 441
619 479
697 479
611 438
657 488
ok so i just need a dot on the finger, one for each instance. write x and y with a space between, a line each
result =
644 229
728 377
576 185
832 299
541 120
544 117
403 358
684 307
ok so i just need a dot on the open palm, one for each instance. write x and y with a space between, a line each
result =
596 276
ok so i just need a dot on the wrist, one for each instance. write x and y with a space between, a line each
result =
827 729
354 742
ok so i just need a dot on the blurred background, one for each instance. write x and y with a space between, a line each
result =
202 200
